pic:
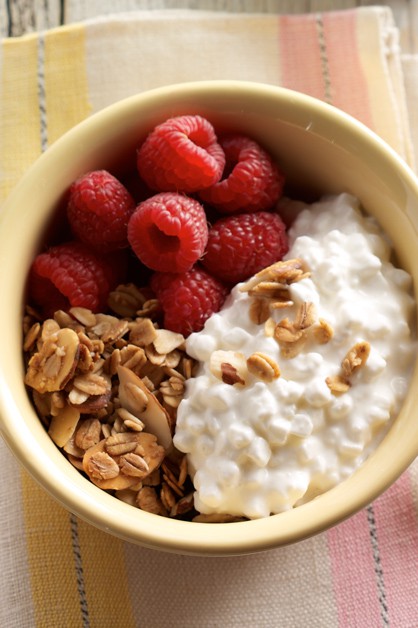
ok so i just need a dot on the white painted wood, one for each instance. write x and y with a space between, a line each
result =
23 16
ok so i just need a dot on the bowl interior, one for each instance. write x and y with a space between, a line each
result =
322 151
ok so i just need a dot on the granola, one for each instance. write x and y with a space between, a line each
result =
107 388
269 292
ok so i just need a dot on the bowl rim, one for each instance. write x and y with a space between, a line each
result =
158 532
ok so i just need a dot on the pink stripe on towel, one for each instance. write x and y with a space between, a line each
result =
301 55
349 89
397 531
353 571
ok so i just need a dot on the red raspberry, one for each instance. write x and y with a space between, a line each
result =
98 210
252 182
239 246
181 155
168 232
69 275
188 299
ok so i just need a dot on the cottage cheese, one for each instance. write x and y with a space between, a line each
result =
267 447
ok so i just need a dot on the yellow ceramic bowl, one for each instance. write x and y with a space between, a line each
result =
322 150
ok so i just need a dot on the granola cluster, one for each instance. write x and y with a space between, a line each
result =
269 292
107 388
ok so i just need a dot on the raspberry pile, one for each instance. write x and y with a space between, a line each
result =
210 220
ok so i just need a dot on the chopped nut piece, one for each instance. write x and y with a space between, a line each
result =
230 374
263 366
88 403
229 366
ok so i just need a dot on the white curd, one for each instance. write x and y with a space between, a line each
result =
264 448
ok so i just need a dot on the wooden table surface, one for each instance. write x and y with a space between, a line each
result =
18 17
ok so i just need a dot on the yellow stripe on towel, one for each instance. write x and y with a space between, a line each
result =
66 95
55 595
105 578
78 573
19 118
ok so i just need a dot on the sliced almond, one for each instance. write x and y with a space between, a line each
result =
63 425
84 316
166 341
154 416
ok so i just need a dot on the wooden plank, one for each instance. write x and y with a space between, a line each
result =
18 17
414 26
22 16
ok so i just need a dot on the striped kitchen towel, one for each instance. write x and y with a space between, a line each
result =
57 570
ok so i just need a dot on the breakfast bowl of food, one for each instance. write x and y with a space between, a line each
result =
209 294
